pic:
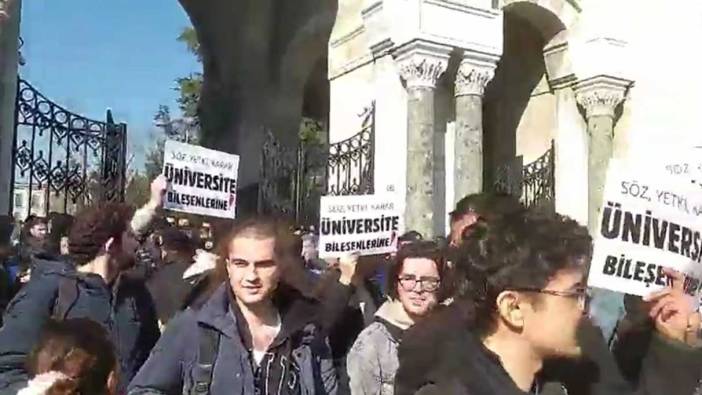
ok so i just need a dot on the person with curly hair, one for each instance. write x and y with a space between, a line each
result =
519 322
72 357
89 283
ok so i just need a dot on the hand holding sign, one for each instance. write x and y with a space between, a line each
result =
638 238
673 311
347 266
158 190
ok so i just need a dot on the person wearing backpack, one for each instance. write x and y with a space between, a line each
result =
88 283
253 335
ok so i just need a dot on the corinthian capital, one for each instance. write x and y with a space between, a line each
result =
422 72
471 80
421 64
601 95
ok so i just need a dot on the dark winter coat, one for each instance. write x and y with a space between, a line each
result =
175 362
6 289
32 250
169 290
440 356
125 310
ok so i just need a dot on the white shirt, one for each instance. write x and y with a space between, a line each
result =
258 354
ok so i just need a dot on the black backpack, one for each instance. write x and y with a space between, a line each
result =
209 344
66 298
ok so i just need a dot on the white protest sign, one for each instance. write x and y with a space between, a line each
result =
202 181
681 163
647 224
368 224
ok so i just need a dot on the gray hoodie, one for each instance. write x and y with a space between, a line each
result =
372 361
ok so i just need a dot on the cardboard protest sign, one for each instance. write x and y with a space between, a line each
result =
367 224
678 163
646 224
202 181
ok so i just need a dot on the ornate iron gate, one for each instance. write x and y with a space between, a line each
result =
350 165
534 183
64 161
293 180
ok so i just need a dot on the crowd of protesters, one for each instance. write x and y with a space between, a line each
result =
123 301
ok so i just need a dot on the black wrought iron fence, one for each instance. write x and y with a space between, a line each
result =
350 165
294 179
63 161
534 183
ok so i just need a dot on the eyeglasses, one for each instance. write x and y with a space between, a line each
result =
426 283
581 294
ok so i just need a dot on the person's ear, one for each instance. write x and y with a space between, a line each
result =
112 383
510 309
109 244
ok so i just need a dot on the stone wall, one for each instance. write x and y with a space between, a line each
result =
566 70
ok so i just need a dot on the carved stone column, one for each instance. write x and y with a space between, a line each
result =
599 97
421 64
472 77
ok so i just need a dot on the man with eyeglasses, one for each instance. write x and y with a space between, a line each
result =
520 309
414 281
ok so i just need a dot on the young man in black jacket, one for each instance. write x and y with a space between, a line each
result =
518 324
167 286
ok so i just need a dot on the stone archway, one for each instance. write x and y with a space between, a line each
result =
258 56
262 73
565 11
520 110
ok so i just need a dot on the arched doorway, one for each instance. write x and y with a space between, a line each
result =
520 108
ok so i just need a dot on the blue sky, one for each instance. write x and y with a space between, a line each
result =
90 55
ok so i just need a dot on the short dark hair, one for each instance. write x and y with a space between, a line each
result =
94 226
520 250
259 227
410 236
416 249
79 348
176 240
31 222
486 205
60 225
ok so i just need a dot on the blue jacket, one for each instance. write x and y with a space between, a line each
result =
125 310
174 362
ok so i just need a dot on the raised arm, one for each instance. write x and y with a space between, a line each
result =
144 215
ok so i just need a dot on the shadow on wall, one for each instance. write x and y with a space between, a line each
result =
527 29
506 97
